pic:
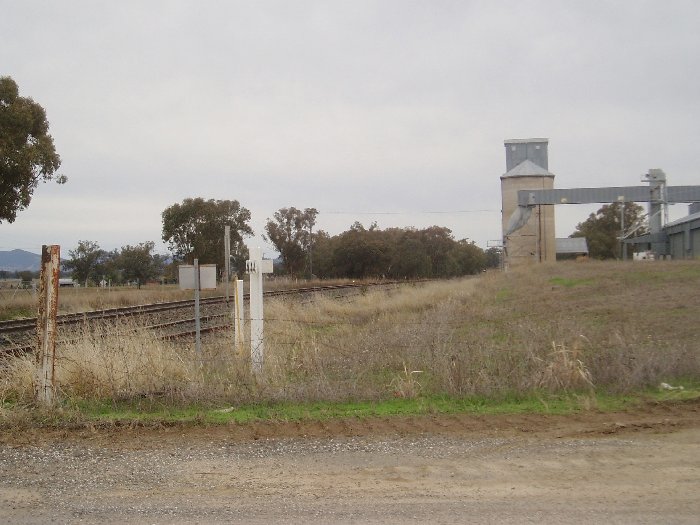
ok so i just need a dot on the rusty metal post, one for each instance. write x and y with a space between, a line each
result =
46 322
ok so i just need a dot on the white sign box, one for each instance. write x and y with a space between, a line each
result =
262 266
207 276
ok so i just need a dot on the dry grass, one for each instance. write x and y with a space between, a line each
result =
22 303
548 329
570 327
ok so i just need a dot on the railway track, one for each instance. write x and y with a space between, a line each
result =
172 319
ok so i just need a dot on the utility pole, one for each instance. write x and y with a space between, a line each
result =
311 245
227 256
623 246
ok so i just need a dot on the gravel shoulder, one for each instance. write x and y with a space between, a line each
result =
640 466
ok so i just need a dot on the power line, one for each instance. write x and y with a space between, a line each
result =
427 212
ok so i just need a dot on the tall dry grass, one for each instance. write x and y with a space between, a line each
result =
563 328
15 303
23 303
566 327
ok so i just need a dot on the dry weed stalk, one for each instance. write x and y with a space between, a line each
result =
405 384
563 370
120 361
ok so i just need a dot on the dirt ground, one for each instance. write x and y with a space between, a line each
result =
639 466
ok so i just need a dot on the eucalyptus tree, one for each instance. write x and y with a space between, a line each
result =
138 263
194 229
27 152
84 260
602 229
291 233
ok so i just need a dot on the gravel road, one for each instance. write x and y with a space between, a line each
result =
634 467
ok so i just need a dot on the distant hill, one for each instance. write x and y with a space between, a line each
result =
19 261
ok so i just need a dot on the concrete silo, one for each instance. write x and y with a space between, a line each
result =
527 169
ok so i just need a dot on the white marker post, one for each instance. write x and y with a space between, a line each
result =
238 315
256 266
227 257
197 322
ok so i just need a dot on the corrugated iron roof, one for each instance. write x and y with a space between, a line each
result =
572 245
527 168
683 220
525 141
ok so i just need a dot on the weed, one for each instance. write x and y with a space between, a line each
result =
483 339
405 384
569 283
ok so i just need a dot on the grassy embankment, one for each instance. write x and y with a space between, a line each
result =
555 338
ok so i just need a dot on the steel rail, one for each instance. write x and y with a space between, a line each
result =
30 322
7 346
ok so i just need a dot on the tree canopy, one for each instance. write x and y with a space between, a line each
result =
195 229
602 229
291 232
395 253
84 261
137 263
27 152
89 263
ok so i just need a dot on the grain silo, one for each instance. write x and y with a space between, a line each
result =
527 169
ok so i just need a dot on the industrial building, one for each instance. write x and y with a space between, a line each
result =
680 238
527 165
528 199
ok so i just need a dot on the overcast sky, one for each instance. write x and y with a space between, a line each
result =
390 111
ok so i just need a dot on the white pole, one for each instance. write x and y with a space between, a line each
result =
256 321
198 339
623 254
227 255
255 269
238 315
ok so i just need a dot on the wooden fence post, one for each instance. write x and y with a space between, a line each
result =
46 322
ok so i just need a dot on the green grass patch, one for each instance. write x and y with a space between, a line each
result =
534 403
503 295
9 313
569 283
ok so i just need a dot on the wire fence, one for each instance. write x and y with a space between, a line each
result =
380 347
8 294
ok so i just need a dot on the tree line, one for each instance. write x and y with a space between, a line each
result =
395 253
194 229
89 264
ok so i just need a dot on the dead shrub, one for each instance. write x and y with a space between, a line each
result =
563 370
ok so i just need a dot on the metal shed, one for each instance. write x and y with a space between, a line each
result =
572 246
684 237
